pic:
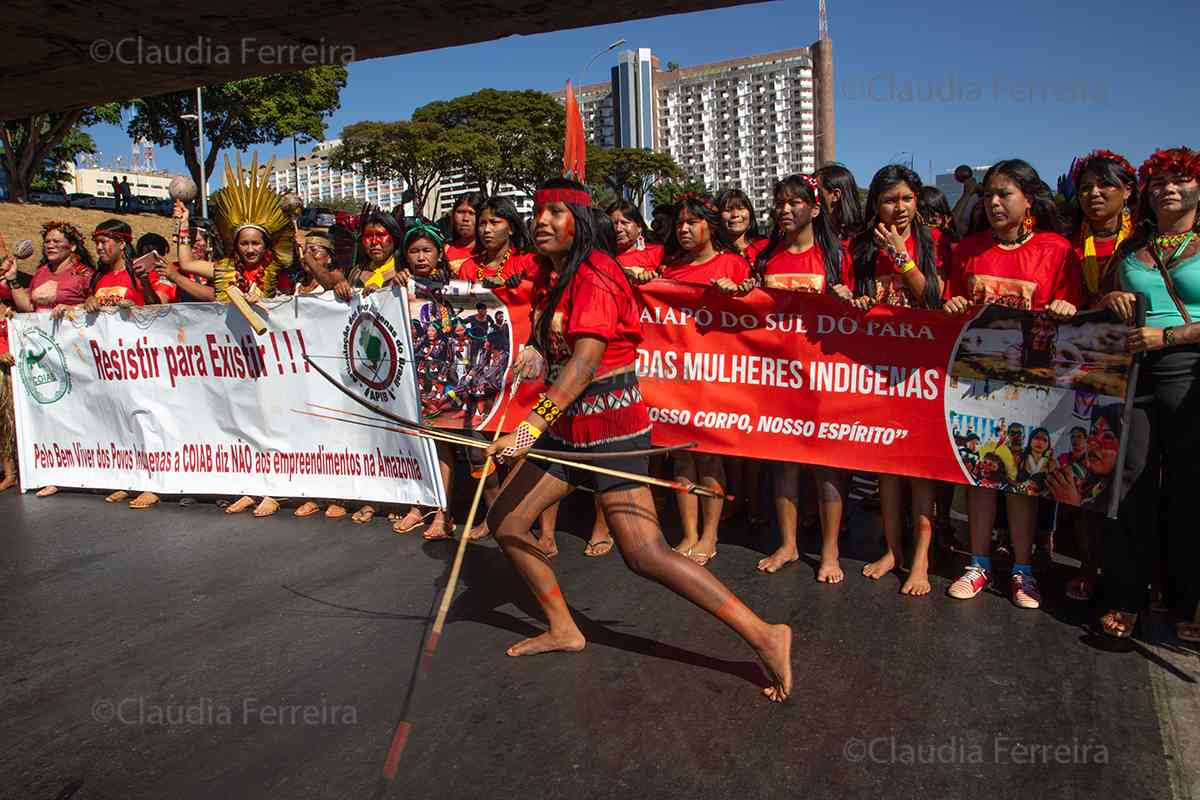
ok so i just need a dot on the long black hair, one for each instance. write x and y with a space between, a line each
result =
606 234
701 206
502 207
736 198
932 202
865 249
422 229
1109 172
848 213
798 186
1041 200
121 232
386 221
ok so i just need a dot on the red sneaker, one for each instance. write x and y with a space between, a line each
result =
972 582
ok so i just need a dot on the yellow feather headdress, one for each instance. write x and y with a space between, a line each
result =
246 201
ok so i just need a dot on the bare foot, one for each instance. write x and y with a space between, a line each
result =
778 560
46 491
877 569
363 515
307 509
239 505
267 507
686 546
777 661
335 511
144 500
917 584
830 572
481 531
117 496
8 482
571 642
598 547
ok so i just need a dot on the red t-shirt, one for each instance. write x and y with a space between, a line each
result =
1042 270
598 302
456 255
115 286
722 265
754 248
649 258
890 288
517 264
803 272
68 286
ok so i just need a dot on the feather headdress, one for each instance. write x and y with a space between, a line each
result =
246 201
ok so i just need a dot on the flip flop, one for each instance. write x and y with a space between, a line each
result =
593 548
411 521
266 507
306 509
1129 621
702 558
447 525
239 505
335 511
144 500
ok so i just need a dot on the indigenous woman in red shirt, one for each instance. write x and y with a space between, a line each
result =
840 193
700 252
1018 260
1105 192
740 223
585 324
463 217
803 254
637 257
901 262
116 282
501 256
60 283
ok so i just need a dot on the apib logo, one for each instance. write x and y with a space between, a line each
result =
374 355
43 367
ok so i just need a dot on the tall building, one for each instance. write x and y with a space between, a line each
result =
744 122
453 185
318 181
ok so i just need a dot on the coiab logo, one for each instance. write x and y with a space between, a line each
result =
43 367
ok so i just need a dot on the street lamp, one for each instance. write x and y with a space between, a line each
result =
591 61
199 118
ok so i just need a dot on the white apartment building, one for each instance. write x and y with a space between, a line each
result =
452 186
318 181
740 123
98 181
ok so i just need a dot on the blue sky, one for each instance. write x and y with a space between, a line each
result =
947 83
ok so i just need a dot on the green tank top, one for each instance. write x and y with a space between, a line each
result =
1161 311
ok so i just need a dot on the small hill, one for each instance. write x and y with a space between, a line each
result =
24 221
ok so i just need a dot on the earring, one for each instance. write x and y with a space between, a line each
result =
1029 221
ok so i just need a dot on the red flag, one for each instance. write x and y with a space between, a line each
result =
575 143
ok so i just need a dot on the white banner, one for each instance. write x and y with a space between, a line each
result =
185 399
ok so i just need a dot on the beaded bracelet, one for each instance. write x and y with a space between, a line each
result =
547 409
527 436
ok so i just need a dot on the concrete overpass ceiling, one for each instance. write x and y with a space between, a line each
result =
63 54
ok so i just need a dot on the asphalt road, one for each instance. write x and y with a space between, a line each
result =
185 653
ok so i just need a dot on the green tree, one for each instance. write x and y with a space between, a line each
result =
36 148
259 110
513 137
417 152
629 171
665 193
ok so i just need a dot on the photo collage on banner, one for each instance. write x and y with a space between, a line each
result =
1028 397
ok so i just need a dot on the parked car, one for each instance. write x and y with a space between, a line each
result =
48 197
85 200
317 218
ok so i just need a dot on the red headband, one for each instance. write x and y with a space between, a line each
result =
124 237
1179 160
543 197
1109 155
